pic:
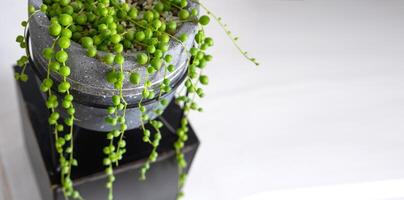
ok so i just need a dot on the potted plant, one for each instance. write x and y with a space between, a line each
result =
111 65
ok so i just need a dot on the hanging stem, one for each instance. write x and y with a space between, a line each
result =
228 32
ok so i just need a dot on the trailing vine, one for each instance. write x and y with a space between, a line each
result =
108 30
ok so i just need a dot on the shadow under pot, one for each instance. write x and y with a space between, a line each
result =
92 93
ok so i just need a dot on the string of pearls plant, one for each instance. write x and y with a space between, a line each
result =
115 27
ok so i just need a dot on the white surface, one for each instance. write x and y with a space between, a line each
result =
325 108
361 191
4 187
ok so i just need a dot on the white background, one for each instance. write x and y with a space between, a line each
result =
321 118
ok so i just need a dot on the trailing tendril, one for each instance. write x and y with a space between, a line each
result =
194 77
57 63
21 40
117 118
234 39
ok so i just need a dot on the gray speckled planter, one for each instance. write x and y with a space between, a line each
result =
88 84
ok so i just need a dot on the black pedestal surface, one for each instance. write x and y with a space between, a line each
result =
88 177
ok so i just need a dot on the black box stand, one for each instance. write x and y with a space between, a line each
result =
89 177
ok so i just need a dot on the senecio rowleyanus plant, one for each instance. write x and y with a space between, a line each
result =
115 27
